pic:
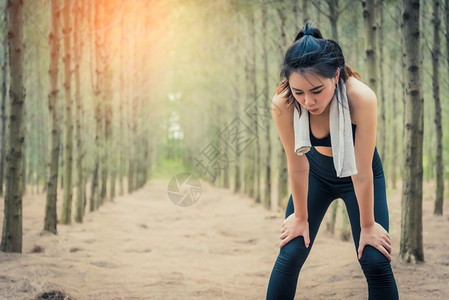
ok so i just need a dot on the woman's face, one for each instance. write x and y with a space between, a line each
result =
313 91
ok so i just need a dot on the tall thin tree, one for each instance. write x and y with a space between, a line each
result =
438 210
411 248
4 78
282 168
97 84
381 87
66 216
267 190
50 222
77 47
371 46
12 222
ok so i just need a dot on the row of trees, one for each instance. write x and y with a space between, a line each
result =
93 130
138 74
388 42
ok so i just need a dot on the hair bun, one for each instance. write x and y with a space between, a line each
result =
308 30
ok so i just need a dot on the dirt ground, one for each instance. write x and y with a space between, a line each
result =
142 246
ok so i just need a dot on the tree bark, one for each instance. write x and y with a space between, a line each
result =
12 221
106 98
394 125
267 186
4 78
438 210
77 47
99 73
50 223
282 167
370 25
334 14
411 248
236 108
121 140
382 133
66 216
250 171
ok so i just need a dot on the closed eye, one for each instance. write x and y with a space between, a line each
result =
298 93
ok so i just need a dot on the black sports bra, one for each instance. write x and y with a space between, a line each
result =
326 141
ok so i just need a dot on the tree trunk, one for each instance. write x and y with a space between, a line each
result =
438 210
394 145
134 157
236 109
411 248
99 75
53 106
296 9
305 11
4 78
106 98
282 197
12 221
77 47
267 109
334 14
66 216
246 161
24 156
41 142
370 25
257 150
121 140
250 171
382 133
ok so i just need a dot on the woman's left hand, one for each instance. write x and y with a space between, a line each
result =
376 236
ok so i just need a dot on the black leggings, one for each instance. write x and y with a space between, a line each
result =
325 187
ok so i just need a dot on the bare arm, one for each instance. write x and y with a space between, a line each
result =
364 113
365 116
299 183
298 165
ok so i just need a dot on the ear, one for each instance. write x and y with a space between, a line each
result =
337 76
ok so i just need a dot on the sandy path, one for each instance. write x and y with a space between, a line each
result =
144 247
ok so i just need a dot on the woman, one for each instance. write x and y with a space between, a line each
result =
311 70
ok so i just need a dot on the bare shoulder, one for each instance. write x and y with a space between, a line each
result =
279 103
361 98
283 119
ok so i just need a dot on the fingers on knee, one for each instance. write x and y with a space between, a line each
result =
294 252
374 262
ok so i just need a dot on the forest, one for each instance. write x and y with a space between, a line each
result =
140 159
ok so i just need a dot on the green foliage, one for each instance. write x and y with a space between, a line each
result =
167 168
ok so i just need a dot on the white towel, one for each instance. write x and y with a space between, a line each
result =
301 128
340 132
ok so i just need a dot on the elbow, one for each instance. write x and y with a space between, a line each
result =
362 177
298 173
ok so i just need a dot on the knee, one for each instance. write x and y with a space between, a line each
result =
293 255
374 263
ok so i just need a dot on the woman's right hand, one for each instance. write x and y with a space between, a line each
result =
293 227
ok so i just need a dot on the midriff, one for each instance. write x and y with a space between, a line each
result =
324 150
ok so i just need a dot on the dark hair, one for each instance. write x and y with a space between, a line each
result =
310 52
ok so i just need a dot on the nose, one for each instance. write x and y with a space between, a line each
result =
308 100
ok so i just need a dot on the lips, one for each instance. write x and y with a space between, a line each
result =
314 110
